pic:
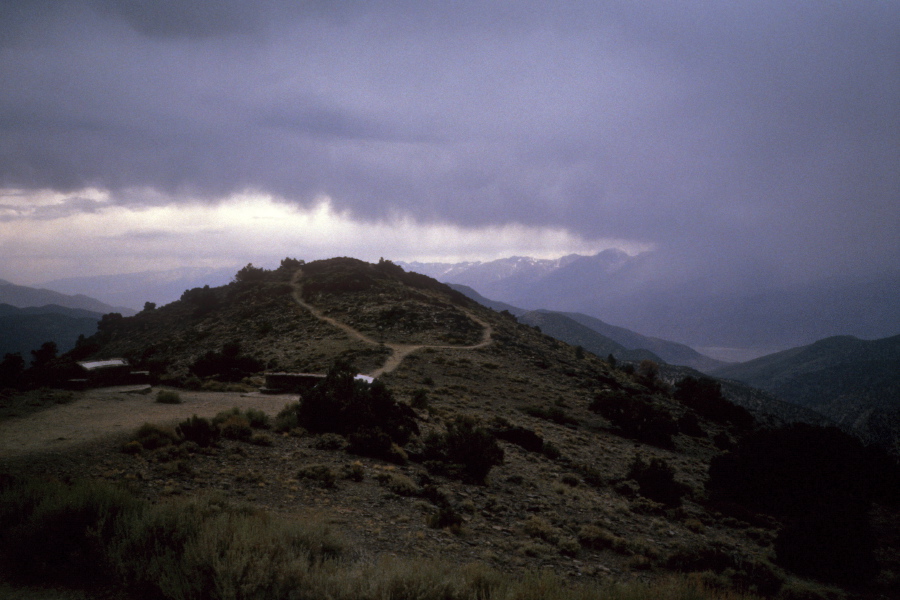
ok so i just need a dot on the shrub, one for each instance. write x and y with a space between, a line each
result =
321 473
257 418
820 482
168 397
287 419
656 480
541 528
466 450
345 405
54 533
132 447
227 365
446 518
199 431
375 443
419 399
595 537
833 542
550 450
550 413
399 484
520 436
704 395
152 436
329 441
636 417
236 427
689 424
354 471
260 439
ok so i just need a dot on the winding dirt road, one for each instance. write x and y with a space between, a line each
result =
398 351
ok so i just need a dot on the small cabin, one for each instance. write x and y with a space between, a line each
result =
110 371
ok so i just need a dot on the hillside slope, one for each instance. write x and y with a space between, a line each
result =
25 329
603 338
854 382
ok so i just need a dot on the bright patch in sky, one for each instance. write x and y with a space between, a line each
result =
48 235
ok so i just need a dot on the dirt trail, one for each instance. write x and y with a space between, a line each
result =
398 351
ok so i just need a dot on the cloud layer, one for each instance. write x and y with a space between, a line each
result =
753 137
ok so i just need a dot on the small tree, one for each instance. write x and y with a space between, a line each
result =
467 450
12 370
250 274
42 357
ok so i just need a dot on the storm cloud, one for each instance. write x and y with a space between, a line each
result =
746 138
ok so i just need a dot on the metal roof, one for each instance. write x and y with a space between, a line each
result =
91 365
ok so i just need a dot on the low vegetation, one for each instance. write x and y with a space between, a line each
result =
99 537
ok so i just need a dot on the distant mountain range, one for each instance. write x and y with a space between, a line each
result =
853 382
23 296
135 289
600 338
730 322
31 316
842 380
25 329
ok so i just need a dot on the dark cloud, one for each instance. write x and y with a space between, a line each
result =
755 137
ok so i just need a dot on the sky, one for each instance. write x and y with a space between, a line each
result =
753 141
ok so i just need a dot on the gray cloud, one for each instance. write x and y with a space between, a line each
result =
755 138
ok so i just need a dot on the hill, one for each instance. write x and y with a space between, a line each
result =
568 330
481 440
855 383
25 329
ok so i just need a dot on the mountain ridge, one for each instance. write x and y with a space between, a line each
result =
22 296
854 382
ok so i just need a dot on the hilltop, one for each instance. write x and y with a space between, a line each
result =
494 443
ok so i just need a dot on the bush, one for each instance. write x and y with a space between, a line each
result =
287 419
553 414
820 482
257 418
198 430
520 436
466 451
656 481
152 436
345 405
375 443
228 365
636 417
834 542
329 441
168 397
704 396
321 473
53 533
